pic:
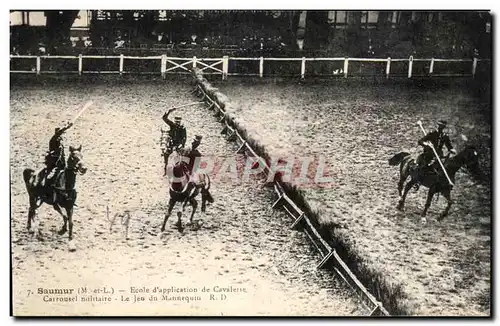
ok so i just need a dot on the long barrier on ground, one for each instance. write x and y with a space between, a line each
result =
237 66
217 101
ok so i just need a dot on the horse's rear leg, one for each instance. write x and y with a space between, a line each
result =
194 204
31 217
203 203
65 219
401 184
408 186
428 202
446 195
31 213
171 204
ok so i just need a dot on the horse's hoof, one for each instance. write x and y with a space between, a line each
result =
423 220
71 245
400 208
62 231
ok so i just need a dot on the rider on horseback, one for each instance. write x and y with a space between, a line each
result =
55 158
177 132
437 138
176 137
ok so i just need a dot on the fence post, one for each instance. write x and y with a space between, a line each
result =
194 62
80 64
410 66
303 68
474 66
225 67
346 65
388 68
163 66
261 67
431 68
121 64
38 65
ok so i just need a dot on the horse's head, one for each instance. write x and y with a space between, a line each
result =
180 169
471 159
75 160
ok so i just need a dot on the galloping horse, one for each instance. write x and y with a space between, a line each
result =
436 182
181 190
61 195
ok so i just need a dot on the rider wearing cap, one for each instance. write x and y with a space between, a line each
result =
55 158
177 131
438 138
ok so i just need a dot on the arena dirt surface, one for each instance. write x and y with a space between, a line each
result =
239 242
444 268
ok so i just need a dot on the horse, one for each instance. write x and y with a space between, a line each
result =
432 178
184 191
61 194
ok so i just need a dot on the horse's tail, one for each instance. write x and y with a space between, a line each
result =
398 158
27 174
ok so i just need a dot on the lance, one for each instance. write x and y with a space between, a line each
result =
85 107
181 106
435 153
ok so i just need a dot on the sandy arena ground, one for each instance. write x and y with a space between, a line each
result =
239 242
444 267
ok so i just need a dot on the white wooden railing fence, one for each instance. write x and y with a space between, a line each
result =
220 66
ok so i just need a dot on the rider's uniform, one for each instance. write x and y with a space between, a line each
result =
192 154
438 140
177 134
55 159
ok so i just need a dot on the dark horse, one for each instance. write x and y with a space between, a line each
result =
181 190
61 194
435 181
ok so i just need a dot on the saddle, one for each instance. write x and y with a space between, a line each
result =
57 182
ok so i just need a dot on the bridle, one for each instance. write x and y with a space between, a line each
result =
74 167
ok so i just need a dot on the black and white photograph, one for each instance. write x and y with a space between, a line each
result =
251 163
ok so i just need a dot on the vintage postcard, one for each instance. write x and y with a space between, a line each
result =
251 163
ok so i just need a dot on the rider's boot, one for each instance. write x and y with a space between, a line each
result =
50 176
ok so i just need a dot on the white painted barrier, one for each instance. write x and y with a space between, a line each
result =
221 66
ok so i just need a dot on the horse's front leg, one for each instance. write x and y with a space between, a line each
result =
194 204
69 212
179 222
171 204
65 219
447 195
408 186
430 194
